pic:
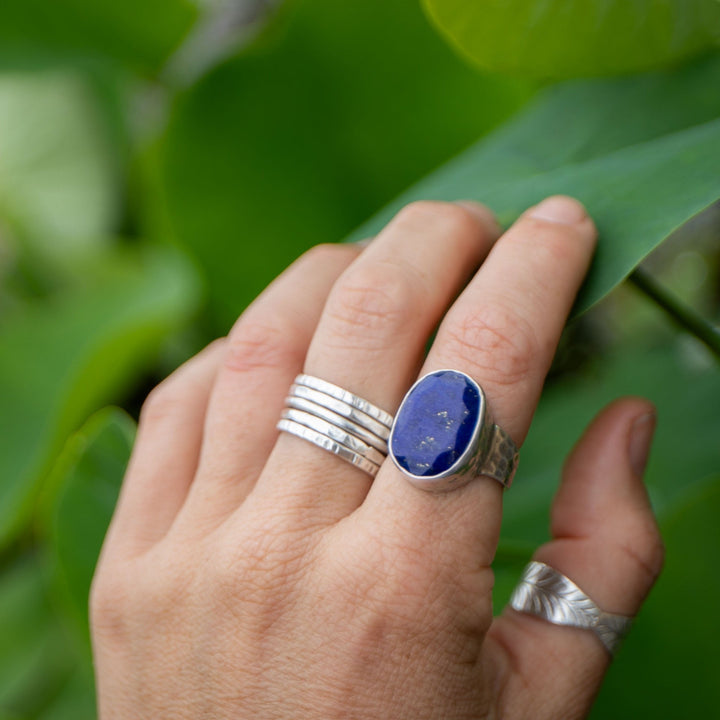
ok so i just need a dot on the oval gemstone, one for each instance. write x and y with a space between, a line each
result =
436 423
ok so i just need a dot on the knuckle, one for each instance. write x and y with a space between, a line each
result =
109 598
374 302
557 241
254 344
326 253
442 216
646 551
161 402
496 341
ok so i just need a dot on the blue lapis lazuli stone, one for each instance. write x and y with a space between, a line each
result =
435 423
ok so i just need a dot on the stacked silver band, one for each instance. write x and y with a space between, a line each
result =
337 421
547 593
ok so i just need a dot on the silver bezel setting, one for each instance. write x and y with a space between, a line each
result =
465 468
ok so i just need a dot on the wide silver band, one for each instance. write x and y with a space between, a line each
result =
552 596
337 421
499 458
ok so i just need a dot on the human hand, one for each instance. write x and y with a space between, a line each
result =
248 574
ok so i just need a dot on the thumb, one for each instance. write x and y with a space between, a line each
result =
606 540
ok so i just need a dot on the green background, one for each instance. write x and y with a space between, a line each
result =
162 160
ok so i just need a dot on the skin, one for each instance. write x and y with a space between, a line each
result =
249 574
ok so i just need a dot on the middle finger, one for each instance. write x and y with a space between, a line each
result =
371 336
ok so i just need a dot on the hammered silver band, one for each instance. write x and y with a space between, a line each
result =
337 421
552 596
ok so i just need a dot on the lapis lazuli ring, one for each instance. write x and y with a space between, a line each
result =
443 435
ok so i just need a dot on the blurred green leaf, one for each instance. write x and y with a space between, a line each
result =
685 449
61 360
59 188
670 665
330 113
557 39
83 490
76 700
139 33
34 659
642 153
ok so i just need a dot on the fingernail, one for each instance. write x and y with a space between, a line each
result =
559 209
484 214
641 435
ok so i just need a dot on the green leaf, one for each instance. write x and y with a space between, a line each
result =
558 39
330 113
84 486
139 33
669 665
67 356
34 659
76 700
642 153
684 450
59 188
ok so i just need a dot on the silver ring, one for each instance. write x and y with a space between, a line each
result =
342 408
552 596
335 433
339 394
337 421
443 435
326 443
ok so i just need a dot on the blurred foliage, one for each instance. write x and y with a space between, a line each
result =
135 175
560 39
137 33
311 128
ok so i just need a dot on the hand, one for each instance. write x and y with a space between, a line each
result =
248 574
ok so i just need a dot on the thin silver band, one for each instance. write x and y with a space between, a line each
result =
335 433
338 393
552 596
326 443
339 421
342 408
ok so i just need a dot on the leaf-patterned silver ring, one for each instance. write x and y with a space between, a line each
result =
545 592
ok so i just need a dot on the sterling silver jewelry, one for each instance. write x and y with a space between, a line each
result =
443 435
337 421
552 596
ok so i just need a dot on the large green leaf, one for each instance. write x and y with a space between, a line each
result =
669 666
140 33
328 115
561 39
61 359
83 491
59 188
641 152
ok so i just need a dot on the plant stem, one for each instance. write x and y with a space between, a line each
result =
681 314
